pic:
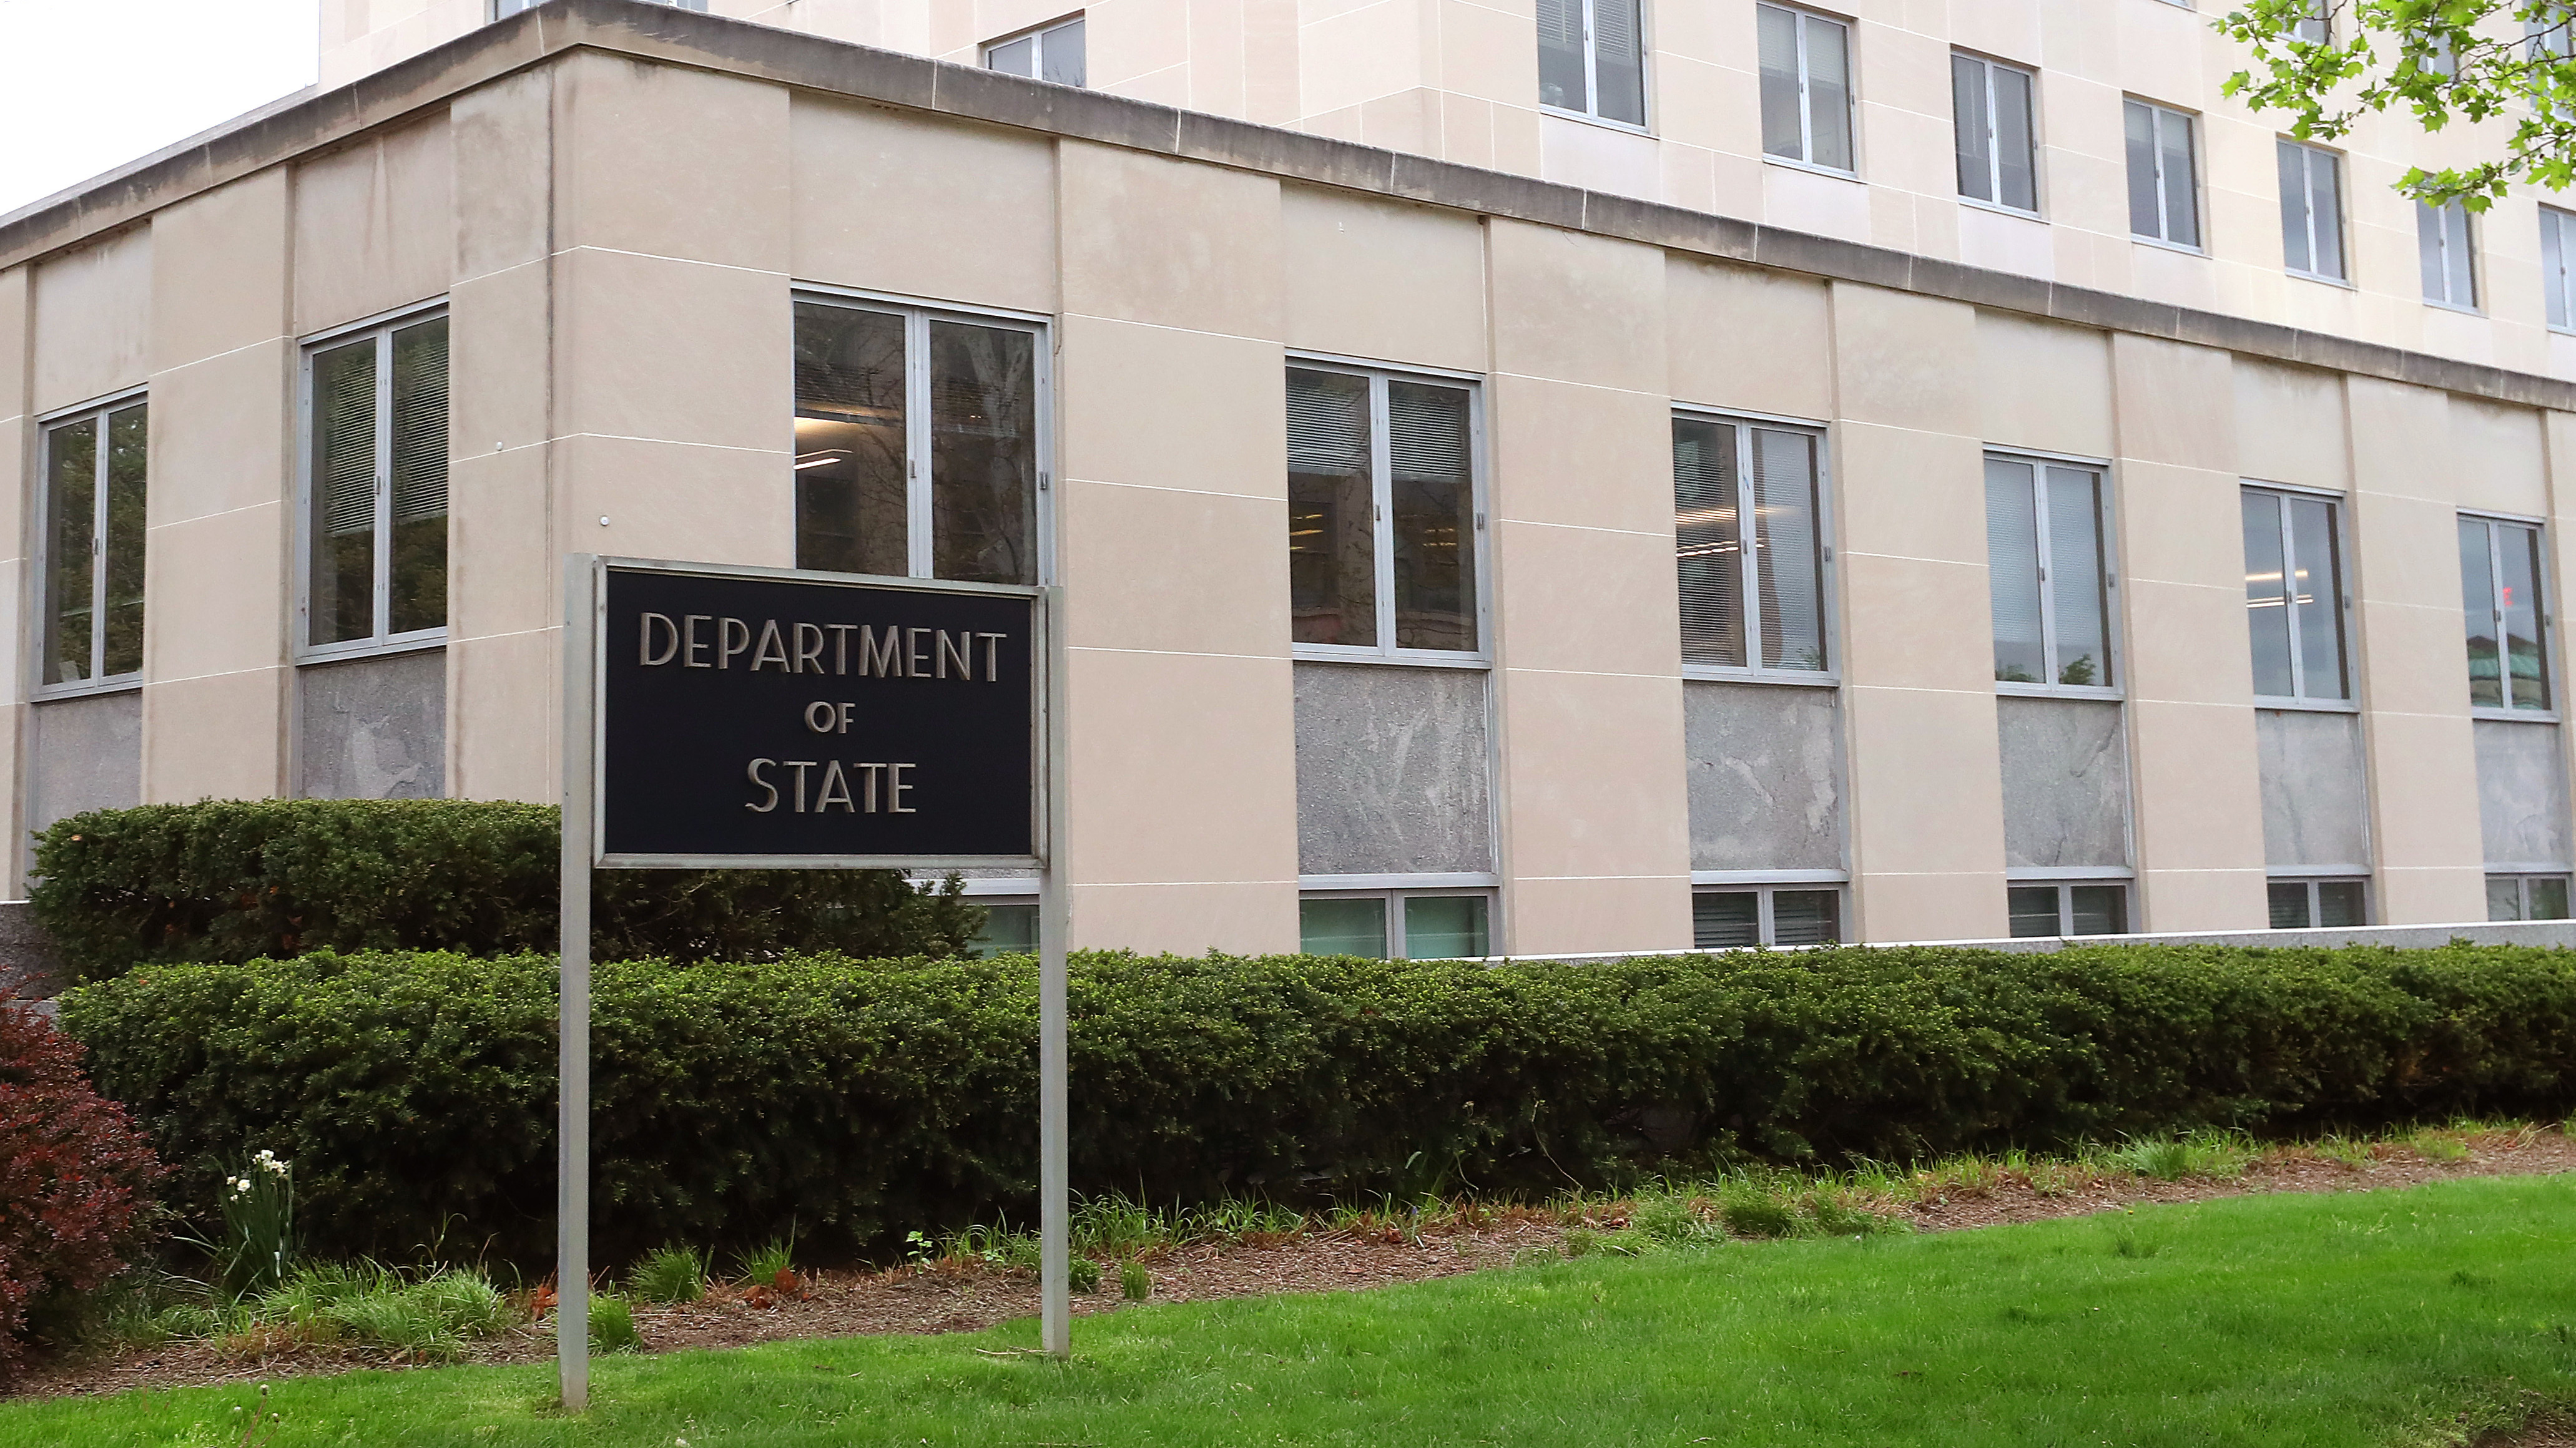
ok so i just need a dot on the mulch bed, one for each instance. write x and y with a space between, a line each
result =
944 1299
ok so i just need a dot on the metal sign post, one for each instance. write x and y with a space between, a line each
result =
767 718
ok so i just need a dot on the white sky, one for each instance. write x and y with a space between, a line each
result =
87 85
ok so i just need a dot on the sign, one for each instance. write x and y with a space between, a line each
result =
787 719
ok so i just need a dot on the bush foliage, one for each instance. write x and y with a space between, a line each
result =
856 1099
236 880
76 1179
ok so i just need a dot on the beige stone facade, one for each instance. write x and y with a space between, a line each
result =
616 208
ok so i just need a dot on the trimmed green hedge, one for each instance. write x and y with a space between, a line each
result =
862 1098
235 880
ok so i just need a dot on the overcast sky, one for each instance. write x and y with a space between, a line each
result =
87 85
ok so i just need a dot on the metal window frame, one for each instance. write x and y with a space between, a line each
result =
2105 513
1752 670
2522 878
2299 697
2548 711
1038 32
1591 110
2561 288
1766 934
2156 112
2308 156
2311 879
920 486
2066 883
1994 152
2442 245
1382 503
1806 156
40 557
1391 900
379 642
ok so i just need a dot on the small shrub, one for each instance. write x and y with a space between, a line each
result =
2442 1146
1670 1220
372 1309
1134 1282
1749 1210
1082 1275
670 1274
769 1262
612 1325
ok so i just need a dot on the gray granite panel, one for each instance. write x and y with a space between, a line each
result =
1394 775
2316 789
374 728
2066 782
2522 793
1766 778
84 754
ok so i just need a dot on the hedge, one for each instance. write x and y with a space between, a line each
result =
236 880
862 1098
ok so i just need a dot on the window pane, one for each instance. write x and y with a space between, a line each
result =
1018 57
1445 927
983 453
2318 597
2016 168
418 597
1828 94
851 498
1968 122
2340 904
1063 62
2553 265
2428 253
121 556
1725 919
1787 550
1332 538
71 535
1010 929
2099 909
1560 55
2546 895
2075 578
1806 917
2012 567
2456 253
1783 133
2289 902
2033 909
2477 614
2146 209
2325 211
1342 927
2518 569
1430 463
1707 546
2181 177
2295 252
2504 897
343 586
2267 609
1618 67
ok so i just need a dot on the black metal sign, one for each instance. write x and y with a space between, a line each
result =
753 717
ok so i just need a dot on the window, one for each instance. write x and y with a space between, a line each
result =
1591 59
1725 472
1990 105
2442 244
2500 602
1729 919
2313 27
1010 928
2164 179
2294 596
2311 211
1051 53
2047 565
93 548
1806 87
376 484
917 443
2318 904
2526 897
1382 509
1424 926
2557 258
2069 909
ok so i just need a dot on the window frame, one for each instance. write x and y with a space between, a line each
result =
2343 605
1392 897
1592 74
40 553
2343 213
2105 520
2199 246
920 547
2523 876
1830 610
2475 306
2311 879
2066 882
2541 615
380 643
1804 161
1763 884
1994 157
1382 500
1039 32
2558 233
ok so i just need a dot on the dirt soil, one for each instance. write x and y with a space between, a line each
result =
942 1298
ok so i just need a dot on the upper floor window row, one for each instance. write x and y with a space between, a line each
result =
1997 142
94 476
1592 59
1806 87
1052 52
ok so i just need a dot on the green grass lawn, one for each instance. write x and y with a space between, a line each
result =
2366 1318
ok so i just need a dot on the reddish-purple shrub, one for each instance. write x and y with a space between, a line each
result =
75 1177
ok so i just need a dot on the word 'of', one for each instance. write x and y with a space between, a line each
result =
893 653
835 786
